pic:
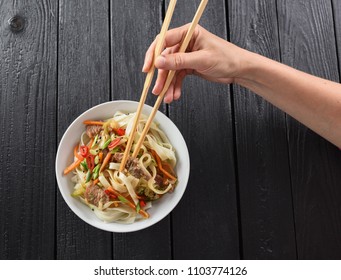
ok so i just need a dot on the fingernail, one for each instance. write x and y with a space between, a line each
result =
143 67
160 61
153 91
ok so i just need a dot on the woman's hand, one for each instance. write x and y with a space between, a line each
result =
313 101
207 56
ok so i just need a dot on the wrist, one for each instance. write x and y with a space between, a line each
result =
250 65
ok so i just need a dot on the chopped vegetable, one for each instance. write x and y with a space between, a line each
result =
110 194
164 152
96 159
126 201
115 150
158 160
120 131
166 166
90 162
105 161
95 172
78 191
95 141
89 122
114 143
71 167
84 150
85 166
123 199
106 143
138 207
76 154
88 176
100 157
93 152
142 203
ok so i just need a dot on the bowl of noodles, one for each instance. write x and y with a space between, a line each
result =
111 195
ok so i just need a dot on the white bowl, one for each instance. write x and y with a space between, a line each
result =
162 207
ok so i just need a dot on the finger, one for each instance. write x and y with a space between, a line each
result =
170 50
178 61
149 57
176 35
170 92
160 81
162 74
178 84
173 37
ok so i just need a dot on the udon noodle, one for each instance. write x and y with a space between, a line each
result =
114 196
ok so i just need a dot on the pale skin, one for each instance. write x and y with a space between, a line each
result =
313 101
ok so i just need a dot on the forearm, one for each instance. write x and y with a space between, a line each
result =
313 101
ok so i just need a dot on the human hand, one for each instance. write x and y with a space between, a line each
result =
207 56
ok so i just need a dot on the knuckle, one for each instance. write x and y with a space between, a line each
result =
178 61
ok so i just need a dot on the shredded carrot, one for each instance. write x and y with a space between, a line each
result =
111 189
142 212
158 160
105 162
76 154
72 166
168 168
129 203
76 163
90 122
100 157
96 181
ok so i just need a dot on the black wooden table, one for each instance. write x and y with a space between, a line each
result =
262 186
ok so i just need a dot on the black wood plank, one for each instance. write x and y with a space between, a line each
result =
336 6
27 137
83 81
262 150
134 26
308 43
205 223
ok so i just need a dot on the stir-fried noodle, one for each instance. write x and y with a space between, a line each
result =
124 196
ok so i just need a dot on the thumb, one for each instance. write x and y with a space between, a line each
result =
179 61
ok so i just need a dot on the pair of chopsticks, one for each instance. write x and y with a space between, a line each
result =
149 78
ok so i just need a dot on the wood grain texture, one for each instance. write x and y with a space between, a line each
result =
70 57
27 137
83 81
263 167
205 223
308 43
336 6
134 25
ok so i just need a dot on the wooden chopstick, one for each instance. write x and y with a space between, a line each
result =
148 80
170 76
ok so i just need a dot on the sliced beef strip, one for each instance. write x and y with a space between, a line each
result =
92 130
94 194
117 157
105 152
132 166
159 180
135 170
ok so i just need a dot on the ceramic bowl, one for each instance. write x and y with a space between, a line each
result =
162 207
